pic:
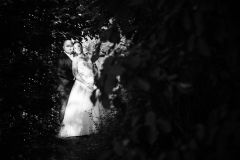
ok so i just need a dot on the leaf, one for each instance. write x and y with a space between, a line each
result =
114 35
117 70
135 120
150 121
105 155
184 87
199 23
191 42
203 48
162 36
134 61
73 17
109 84
105 101
118 148
164 125
143 84
186 22
160 4
172 77
125 142
136 2
200 131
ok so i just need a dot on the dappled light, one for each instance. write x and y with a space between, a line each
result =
152 79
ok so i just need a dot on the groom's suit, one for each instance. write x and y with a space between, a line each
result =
65 77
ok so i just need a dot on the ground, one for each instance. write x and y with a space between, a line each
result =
76 148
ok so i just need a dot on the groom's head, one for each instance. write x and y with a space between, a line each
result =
68 46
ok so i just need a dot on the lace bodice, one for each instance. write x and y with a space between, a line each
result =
84 72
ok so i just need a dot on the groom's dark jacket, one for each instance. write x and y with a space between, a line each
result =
65 75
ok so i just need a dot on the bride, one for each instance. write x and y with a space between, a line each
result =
79 118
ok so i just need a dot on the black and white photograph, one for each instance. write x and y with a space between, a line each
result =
119 80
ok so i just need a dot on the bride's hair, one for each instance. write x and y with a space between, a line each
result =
74 62
81 47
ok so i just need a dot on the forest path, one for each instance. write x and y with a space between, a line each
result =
75 148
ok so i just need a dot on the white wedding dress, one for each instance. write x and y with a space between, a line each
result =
81 116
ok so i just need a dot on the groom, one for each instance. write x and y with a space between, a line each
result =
65 75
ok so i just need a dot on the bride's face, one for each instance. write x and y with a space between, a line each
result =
68 46
77 48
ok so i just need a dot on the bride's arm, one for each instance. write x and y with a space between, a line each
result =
75 66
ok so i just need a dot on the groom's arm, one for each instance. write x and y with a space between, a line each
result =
64 70
62 75
61 69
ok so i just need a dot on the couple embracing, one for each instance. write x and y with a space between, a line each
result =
76 75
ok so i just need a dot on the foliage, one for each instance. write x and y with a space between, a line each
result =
32 35
180 78
177 95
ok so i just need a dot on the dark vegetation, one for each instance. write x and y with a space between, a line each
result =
179 89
